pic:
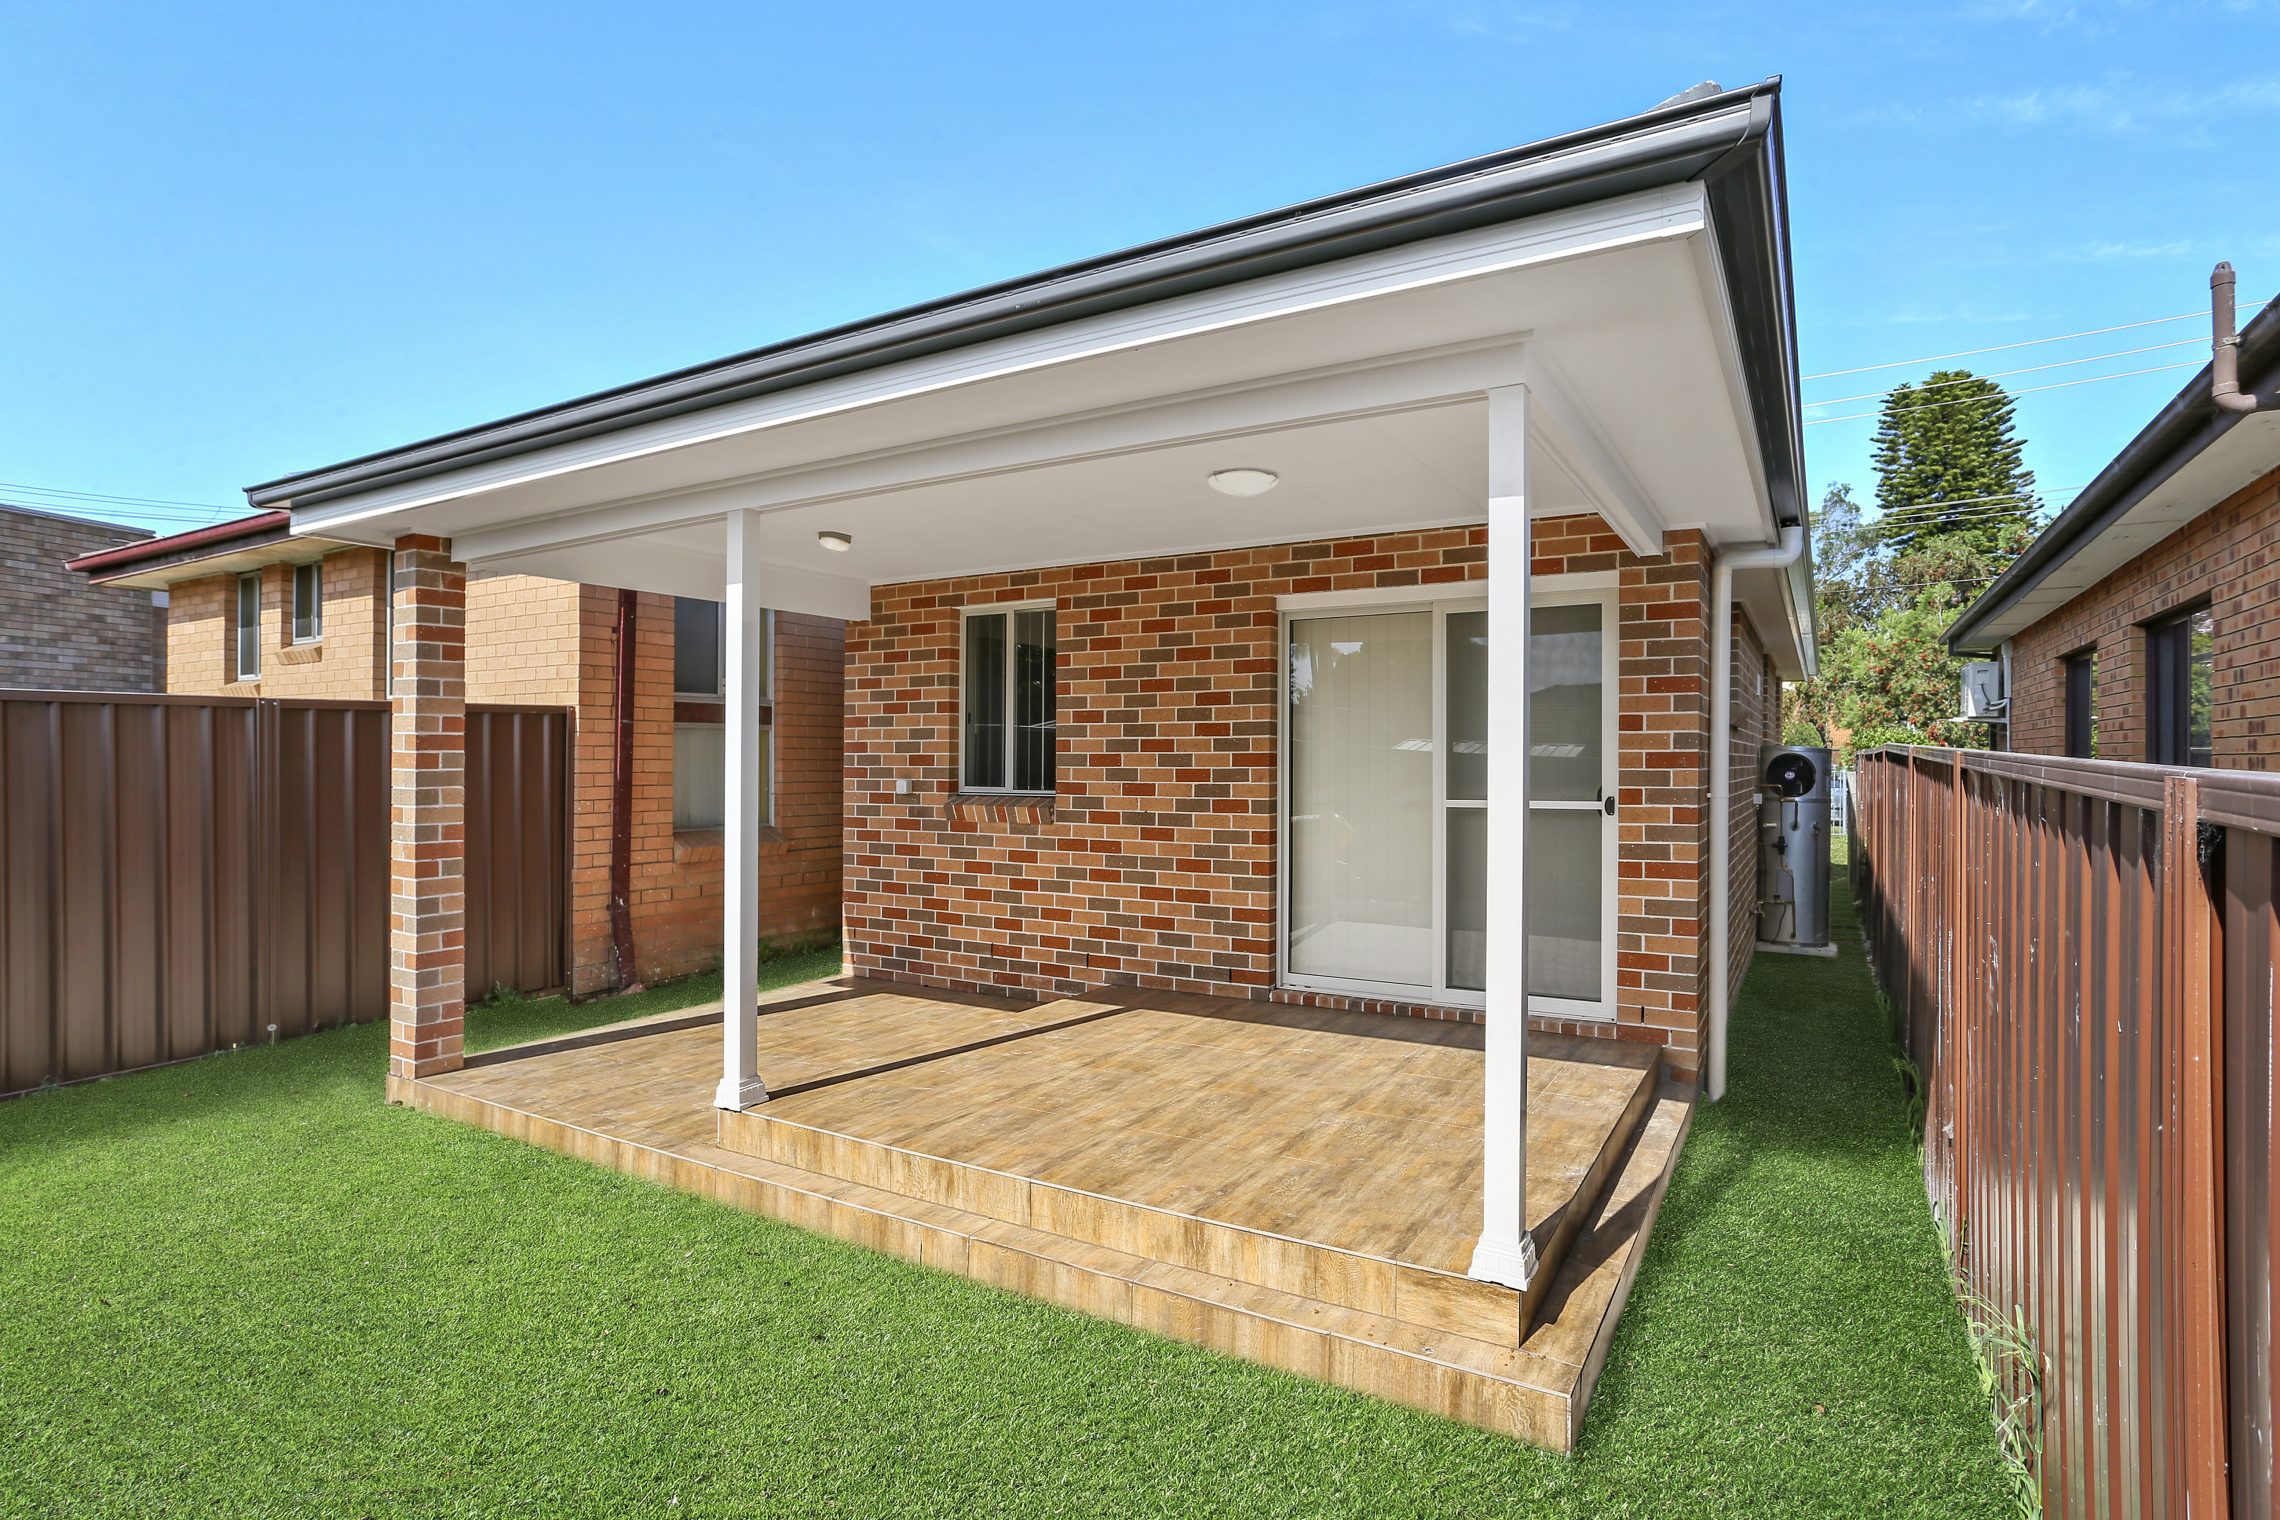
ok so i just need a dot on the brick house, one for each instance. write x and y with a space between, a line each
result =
253 610
1357 623
2144 622
57 633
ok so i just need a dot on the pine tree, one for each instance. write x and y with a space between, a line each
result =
1947 462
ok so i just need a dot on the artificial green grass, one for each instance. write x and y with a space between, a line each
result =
247 1286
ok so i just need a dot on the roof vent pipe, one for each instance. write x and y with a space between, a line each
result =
2224 355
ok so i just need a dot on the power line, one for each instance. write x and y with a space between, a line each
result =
138 501
2031 369
2024 390
1965 501
1996 348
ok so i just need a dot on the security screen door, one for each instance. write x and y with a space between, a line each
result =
1386 807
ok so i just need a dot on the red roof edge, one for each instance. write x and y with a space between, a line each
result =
144 551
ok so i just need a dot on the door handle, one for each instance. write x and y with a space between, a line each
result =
1608 807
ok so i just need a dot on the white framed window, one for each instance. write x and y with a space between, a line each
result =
248 626
308 603
1008 659
700 715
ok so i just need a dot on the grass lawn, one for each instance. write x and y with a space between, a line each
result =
247 1286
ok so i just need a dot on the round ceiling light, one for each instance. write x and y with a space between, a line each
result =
836 542
1242 482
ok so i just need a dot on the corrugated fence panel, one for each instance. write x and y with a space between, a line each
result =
518 839
2252 941
180 875
2080 957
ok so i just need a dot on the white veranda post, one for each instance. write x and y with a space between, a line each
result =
744 623
1507 1253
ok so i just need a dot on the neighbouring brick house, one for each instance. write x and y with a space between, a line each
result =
2144 622
253 611
57 633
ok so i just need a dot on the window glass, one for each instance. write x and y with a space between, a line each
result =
1033 716
2181 671
985 701
697 663
308 603
1360 728
1564 695
248 626
2082 705
2200 687
700 776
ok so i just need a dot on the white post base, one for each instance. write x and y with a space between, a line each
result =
737 1096
1501 1261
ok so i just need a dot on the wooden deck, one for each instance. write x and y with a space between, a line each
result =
1299 1187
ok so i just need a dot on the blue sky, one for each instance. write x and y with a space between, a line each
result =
247 240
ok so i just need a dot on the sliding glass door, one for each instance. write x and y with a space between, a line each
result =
1360 818
1386 802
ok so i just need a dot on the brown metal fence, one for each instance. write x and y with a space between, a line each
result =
2080 957
518 848
179 875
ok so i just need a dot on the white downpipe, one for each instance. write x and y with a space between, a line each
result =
1780 556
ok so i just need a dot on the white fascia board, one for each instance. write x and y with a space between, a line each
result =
1439 379
1675 211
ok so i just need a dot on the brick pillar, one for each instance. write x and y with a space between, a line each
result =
427 740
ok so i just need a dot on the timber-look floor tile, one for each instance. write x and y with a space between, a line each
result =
1080 1150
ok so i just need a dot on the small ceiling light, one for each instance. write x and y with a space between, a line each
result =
836 542
1242 482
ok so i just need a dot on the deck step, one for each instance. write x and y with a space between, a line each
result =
1438 1300
1536 1391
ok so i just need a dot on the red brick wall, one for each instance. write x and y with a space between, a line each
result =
1756 723
1154 863
2230 557
676 897
1663 967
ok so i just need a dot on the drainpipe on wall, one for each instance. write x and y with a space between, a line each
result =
621 799
1780 556
2224 352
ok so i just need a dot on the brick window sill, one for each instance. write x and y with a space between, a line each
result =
712 844
1001 807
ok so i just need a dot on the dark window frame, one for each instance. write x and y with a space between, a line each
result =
2080 672
2169 662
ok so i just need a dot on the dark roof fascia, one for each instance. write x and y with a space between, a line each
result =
1751 212
1696 139
2190 423
144 555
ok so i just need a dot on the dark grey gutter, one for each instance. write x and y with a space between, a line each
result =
2187 425
1730 140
